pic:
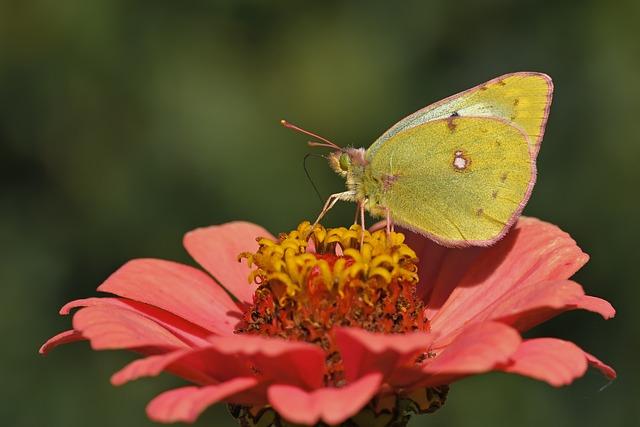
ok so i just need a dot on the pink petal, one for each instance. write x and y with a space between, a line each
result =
533 251
534 303
187 403
116 328
146 367
296 363
331 405
606 370
62 338
480 348
217 248
285 361
154 365
440 268
179 289
595 304
188 332
364 352
200 365
552 360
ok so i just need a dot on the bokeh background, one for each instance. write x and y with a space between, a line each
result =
124 124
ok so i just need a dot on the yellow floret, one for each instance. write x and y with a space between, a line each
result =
335 256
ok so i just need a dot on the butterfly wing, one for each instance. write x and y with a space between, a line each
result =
522 99
461 181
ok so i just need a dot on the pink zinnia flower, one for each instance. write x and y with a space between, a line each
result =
328 330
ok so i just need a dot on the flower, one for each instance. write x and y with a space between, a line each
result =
328 329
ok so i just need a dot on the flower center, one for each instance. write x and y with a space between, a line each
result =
313 278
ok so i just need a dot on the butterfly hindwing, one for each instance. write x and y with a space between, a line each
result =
461 180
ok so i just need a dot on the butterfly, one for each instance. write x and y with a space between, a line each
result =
458 171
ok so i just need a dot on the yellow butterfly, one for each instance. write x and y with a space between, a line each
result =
459 171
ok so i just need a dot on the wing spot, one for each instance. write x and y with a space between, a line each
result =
498 143
460 161
494 194
483 88
455 114
502 83
516 102
479 212
388 180
503 178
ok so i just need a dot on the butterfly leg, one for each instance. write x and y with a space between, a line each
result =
331 201
388 219
361 209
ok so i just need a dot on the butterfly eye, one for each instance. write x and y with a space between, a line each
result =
345 162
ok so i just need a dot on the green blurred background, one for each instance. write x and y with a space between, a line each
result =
124 124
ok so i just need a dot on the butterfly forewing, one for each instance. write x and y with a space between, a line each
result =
522 99
462 180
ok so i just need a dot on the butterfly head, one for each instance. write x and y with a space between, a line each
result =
345 160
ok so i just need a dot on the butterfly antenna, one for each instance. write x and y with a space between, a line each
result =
325 142
306 171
